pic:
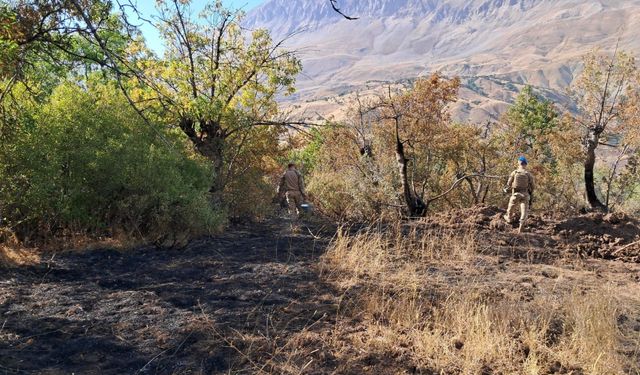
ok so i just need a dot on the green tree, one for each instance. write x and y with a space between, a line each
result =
61 33
218 85
531 117
84 161
533 126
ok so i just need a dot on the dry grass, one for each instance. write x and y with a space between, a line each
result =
80 241
12 253
272 351
462 324
394 252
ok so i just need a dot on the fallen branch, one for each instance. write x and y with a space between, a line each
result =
625 247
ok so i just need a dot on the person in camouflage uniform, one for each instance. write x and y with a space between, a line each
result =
292 189
520 185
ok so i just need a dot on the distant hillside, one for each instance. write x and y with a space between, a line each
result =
497 46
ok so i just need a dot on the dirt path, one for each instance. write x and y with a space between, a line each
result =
204 309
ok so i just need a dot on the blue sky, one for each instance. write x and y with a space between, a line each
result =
147 7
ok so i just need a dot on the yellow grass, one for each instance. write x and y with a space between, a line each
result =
12 253
466 326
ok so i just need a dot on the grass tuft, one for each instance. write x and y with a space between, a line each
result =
419 296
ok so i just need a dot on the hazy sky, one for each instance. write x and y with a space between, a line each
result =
147 7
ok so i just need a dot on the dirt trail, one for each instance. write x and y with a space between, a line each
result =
163 311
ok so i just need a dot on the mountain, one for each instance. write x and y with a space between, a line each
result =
496 46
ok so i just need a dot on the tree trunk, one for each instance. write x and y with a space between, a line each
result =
213 149
589 163
211 146
415 205
475 193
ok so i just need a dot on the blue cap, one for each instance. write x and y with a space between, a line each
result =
522 160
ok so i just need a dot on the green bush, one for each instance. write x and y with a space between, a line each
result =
87 162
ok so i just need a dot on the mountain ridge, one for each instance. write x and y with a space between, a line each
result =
516 42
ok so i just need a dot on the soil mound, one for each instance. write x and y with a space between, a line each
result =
608 236
599 235
480 218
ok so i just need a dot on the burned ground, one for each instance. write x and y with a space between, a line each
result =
258 298
161 311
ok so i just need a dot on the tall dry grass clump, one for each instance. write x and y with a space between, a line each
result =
12 253
379 251
418 293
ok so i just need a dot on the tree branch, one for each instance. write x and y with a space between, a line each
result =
334 5
457 182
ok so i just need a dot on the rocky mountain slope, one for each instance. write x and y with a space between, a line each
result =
495 45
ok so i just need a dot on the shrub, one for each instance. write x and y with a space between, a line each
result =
86 162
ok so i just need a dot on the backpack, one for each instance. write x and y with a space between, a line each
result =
520 181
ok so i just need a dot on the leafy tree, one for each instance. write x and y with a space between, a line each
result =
533 126
60 33
8 42
218 86
347 184
305 149
405 142
606 94
413 121
531 117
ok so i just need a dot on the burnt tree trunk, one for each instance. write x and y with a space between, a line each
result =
589 163
475 192
415 205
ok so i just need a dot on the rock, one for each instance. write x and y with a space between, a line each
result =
550 274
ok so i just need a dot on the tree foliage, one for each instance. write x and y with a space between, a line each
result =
49 38
401 152
85 162
99 133
534 127
212 72
219 87
606 94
